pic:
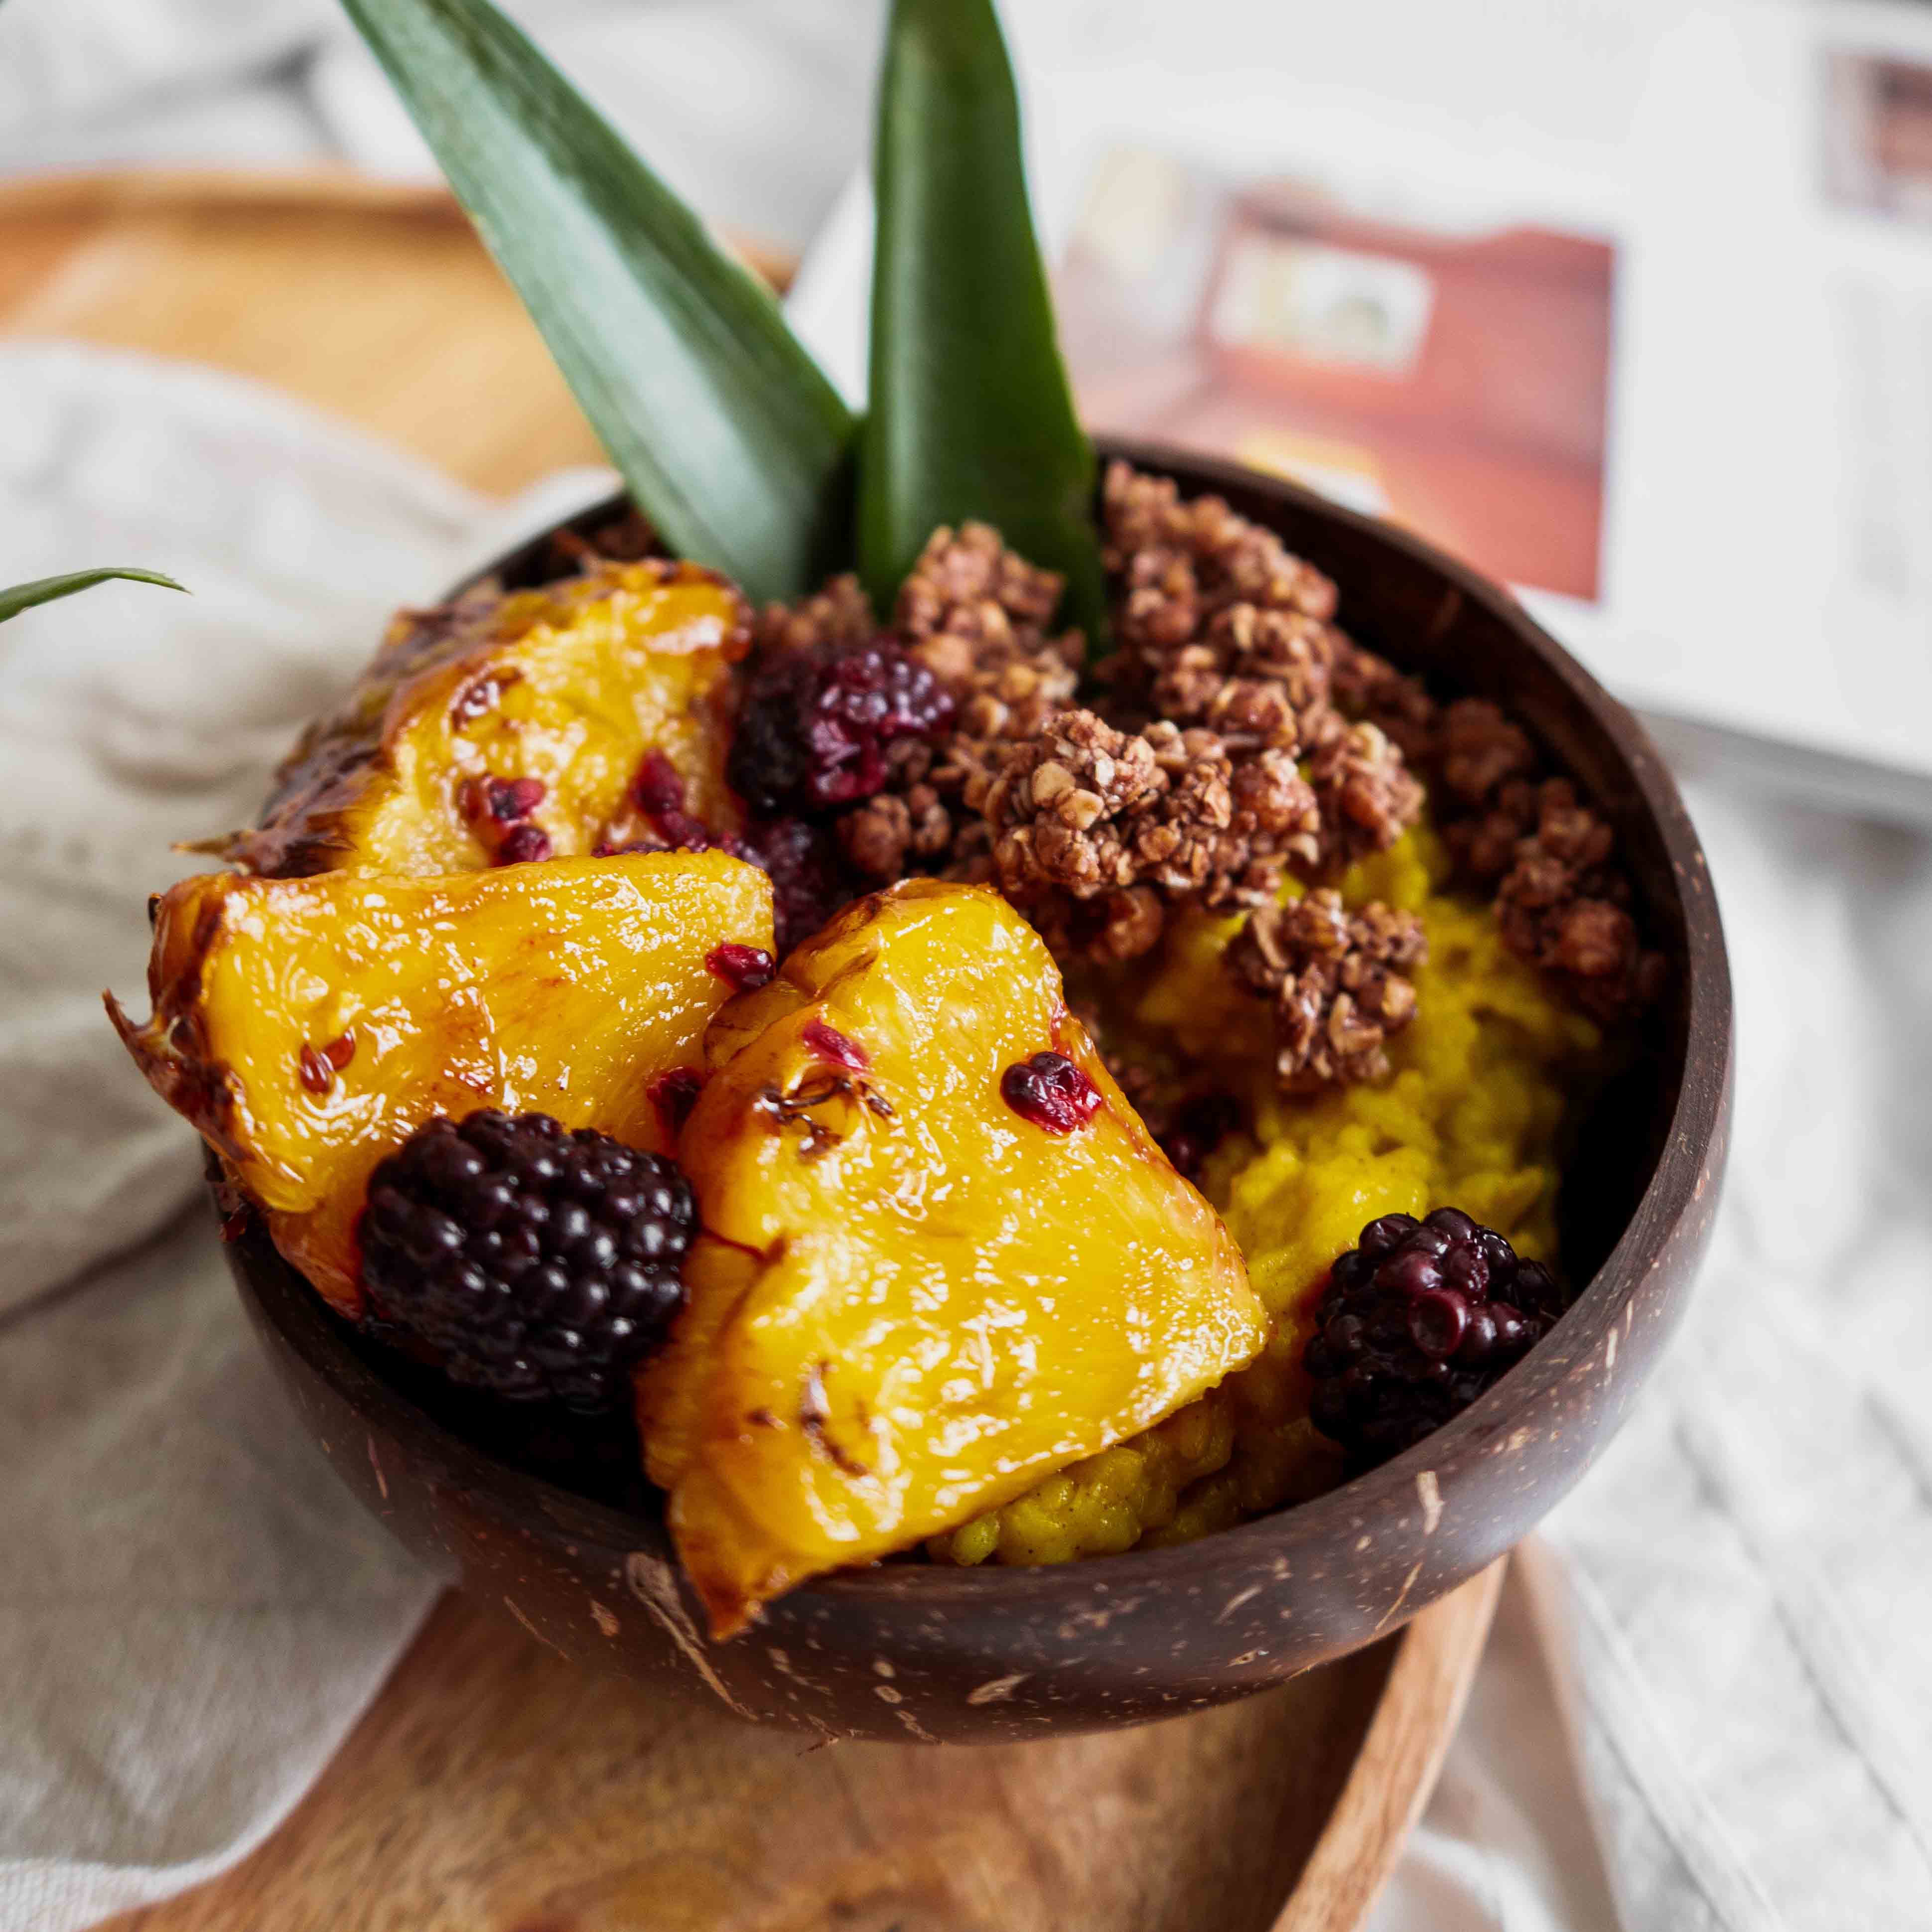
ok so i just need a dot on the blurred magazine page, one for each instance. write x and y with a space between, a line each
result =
1452 376
1629 302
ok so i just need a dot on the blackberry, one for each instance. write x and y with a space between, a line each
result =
808 883
816 723
536 1262
1199 1125
1417 1321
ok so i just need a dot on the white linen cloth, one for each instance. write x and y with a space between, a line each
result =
192 1611
1711 1710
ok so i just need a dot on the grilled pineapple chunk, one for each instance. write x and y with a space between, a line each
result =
913 1298
524 714
306 1027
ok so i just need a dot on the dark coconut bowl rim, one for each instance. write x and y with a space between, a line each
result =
1527 1401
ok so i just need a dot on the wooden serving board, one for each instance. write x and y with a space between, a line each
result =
492 1788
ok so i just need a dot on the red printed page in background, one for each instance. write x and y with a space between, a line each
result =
1456 381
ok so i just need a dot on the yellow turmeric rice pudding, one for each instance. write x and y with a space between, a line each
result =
964 1093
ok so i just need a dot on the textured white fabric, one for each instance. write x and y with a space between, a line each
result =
1734 1607
756 110
192 1610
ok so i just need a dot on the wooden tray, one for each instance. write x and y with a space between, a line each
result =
491 1788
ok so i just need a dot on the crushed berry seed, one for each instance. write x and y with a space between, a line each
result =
817 721
1049 1090
658 789
673 1095
512 800
828 1043
1416 1321
523 844
747 968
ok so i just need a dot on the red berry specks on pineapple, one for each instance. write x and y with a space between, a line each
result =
1049 1090
828 1043
747 968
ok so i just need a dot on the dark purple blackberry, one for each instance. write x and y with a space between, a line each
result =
1417 1321
808 883
816 723
1200 1124
536 1262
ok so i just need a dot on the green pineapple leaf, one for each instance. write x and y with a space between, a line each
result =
970 413
732 441
46 589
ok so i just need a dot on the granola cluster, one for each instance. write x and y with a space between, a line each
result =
1562 899
1564 905
1095 830
1216 622
976 615
1337 980
1237 738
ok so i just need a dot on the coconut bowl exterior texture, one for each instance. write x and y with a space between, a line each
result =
909 1652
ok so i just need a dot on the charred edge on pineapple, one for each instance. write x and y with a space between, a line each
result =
814 1417
784 1108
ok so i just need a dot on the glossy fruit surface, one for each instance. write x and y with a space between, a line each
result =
506 727
307 1027
910 1301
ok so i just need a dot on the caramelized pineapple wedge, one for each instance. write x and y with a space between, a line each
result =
916 1296
517 726
306 1027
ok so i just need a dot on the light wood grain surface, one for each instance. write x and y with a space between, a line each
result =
494 1788
491 1788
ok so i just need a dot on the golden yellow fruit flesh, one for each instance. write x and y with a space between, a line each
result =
910 1302
571 686
306 1027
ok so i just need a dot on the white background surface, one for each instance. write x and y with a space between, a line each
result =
1723 1678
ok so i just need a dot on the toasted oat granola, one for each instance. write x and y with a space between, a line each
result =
1337 981
1240 736
1565 906
1562 899
1138 821
1216 622
1365 795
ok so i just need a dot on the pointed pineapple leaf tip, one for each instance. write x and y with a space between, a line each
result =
46 589
971 414
731 440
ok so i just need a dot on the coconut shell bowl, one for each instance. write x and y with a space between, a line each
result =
911 1650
